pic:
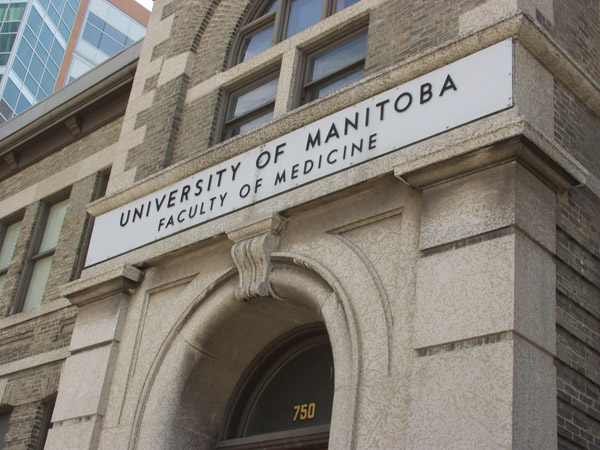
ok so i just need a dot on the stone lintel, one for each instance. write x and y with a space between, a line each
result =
518 149
122 280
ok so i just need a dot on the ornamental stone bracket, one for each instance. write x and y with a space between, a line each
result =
251 253
122 280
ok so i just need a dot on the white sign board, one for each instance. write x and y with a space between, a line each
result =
466 90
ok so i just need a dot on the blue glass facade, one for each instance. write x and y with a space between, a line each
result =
40 50
11 15
105 32
33 41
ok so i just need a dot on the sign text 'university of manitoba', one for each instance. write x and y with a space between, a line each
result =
466 90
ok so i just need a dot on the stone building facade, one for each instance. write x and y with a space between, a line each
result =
430 279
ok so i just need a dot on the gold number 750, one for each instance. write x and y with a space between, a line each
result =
304 411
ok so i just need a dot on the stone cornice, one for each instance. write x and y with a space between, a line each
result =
122 280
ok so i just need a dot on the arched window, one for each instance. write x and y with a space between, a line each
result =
286 397
276 20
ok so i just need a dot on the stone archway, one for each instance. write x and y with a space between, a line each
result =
187 390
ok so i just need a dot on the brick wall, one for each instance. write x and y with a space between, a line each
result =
29 393
400 29
578 320
60 160
66 261
576 128
49 332
577 29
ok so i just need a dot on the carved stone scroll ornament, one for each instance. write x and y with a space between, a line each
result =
252 256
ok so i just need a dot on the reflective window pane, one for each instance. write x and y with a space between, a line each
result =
19 69
22 104
37 284
69 16
58 4
46 36
6 42
54 223
40 95
333 60
341 4
5 111
11 93
257 43
96 21
10 27
28 33
303 14
53 14
57 52
64 30
52 67
3 8
36 68
15 11
24 53
338 83
115 34
31 84
92 35
8 244
35 21
254 98
242 127
48 82
41 52
109 46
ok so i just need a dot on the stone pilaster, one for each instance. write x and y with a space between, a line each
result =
484 327
86 375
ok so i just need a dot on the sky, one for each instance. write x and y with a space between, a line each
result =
146 4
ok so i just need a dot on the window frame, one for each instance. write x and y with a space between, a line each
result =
278 18
250 387
103 177
305 87
5 411
46 422
4 225
34 253
227 123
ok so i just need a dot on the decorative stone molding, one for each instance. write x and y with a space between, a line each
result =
518 149
74 124
123 279
10 158
251 255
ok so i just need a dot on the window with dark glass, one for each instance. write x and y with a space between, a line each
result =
46 423
4 420
287 399
276 20
250 107
335 67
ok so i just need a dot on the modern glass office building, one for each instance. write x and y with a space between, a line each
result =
45 44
